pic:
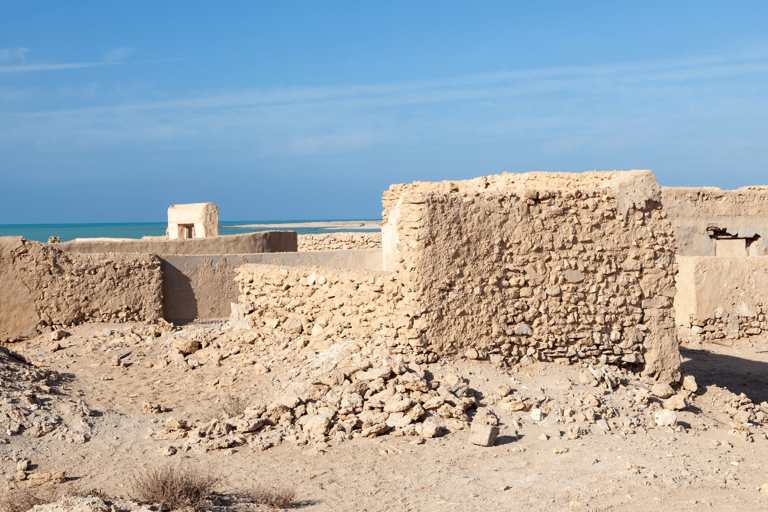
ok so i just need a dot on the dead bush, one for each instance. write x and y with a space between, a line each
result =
17 499
172 487
276 498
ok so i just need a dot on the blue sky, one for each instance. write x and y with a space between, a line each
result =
112 111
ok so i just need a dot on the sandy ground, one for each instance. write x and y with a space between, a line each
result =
697 466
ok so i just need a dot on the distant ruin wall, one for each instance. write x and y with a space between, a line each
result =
742 213
550 266
43 286
722 297
247 243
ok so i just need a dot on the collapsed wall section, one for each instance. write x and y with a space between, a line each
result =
54 288
322 305
561 267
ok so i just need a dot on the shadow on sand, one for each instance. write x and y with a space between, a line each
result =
737 374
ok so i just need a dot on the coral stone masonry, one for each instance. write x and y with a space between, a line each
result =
544 266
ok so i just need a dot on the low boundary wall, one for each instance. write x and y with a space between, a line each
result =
247 243
203 287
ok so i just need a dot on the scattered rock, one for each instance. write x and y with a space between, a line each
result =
483 435
665 418
662 390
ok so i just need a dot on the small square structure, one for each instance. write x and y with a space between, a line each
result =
197 220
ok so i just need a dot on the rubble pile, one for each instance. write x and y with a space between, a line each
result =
339 241
31 405
373 397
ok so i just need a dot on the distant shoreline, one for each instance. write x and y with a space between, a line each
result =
340 224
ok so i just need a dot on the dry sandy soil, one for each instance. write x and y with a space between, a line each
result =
102 434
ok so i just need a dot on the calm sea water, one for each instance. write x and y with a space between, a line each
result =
66 232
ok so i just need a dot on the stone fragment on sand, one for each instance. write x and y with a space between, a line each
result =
317 425
662 390
665 418
152 408
375 430
675 403
472 353
503 390
560 451
764 489
689 383
186 347
483 435
173 425
168 451
537 415
373 374
429 429
58 334
603 425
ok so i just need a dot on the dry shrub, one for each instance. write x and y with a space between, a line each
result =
173 487
276 498
16 499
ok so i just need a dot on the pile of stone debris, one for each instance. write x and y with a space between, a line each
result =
375 393
31 405
377 396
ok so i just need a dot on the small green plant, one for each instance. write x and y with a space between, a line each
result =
173 487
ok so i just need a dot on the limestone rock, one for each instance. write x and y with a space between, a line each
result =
662 390
186 347
689 383
317 425
483 435
675 403
665 418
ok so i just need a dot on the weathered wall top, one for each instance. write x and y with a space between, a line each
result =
245 243
629 187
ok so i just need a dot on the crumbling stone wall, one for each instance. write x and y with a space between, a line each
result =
56 289
339 241
561 267
324 304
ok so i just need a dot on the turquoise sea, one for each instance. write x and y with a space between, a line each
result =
66 232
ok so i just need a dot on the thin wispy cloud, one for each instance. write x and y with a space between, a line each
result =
117 54
110 57
567 109
13 53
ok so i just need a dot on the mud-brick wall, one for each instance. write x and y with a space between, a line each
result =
742 213
43 286
327 304
722 297
565 274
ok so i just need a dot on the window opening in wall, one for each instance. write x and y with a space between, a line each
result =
732 246
186 231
